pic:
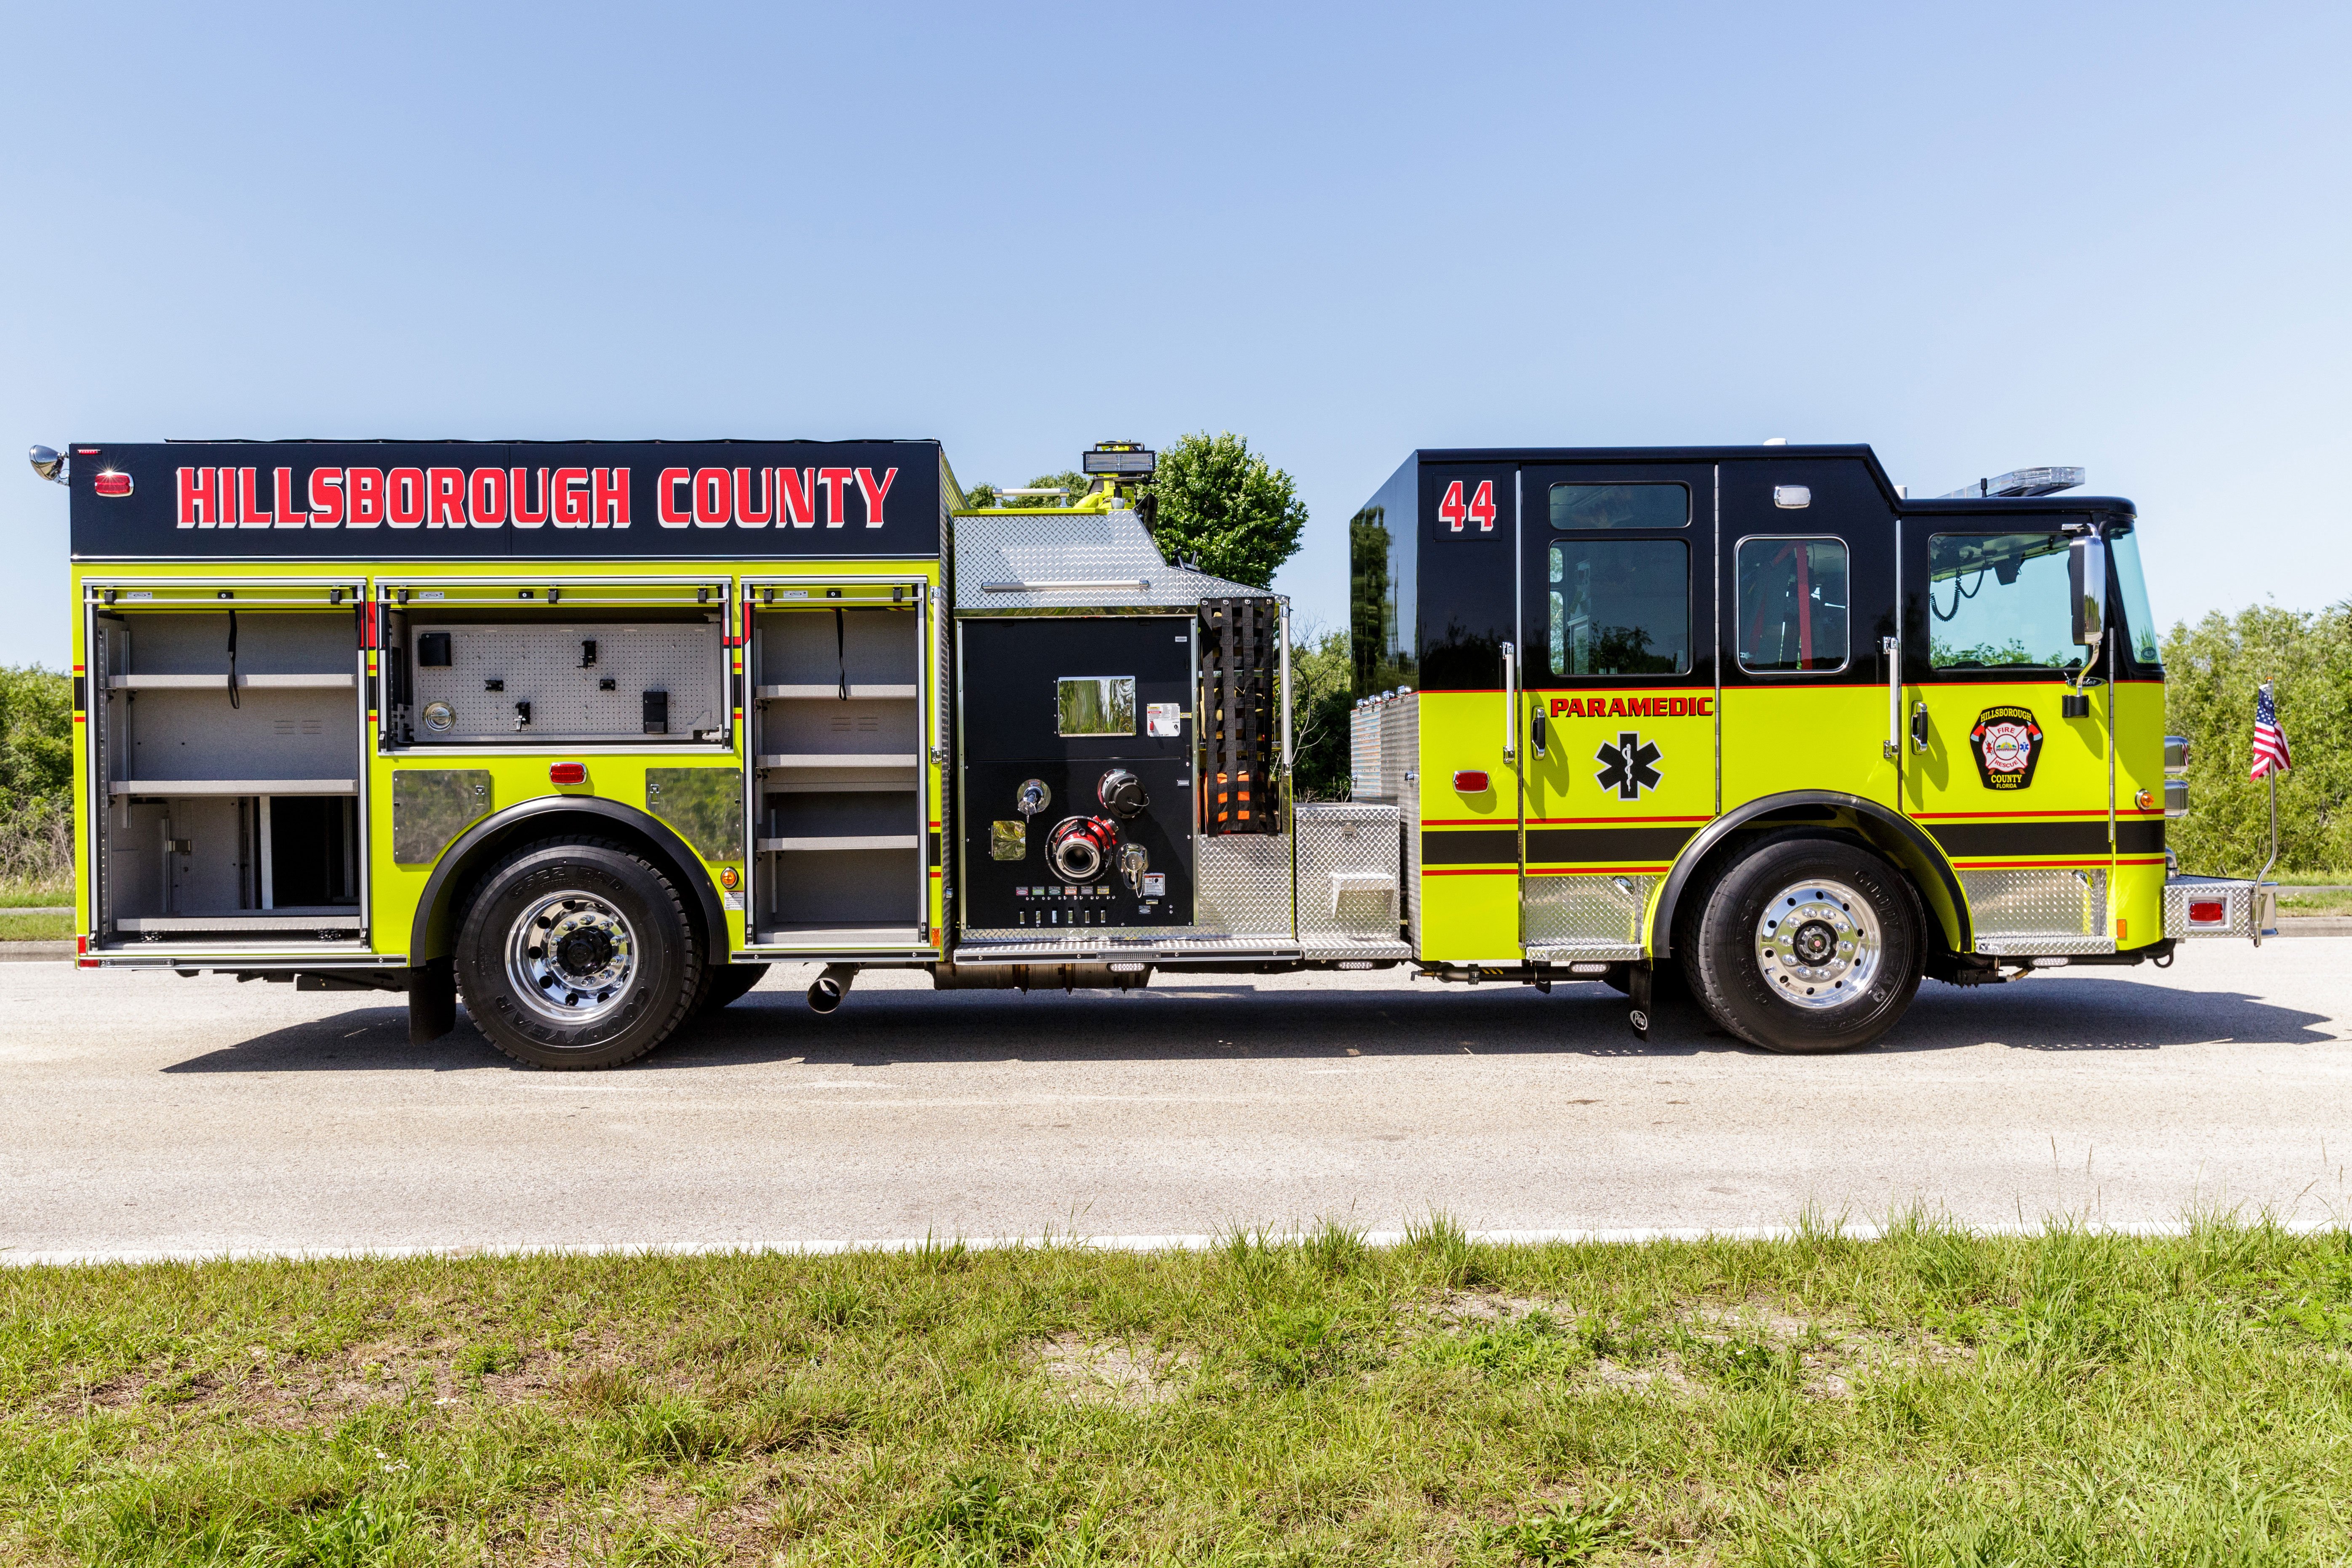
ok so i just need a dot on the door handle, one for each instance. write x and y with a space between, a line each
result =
1510 703
1893 746
1537 729
1919 726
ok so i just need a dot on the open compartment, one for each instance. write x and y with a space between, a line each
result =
838 742
554 665
226 733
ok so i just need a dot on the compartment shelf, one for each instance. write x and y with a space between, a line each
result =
842 841
330 918
823 691
793 761
321 682
797 935
232 786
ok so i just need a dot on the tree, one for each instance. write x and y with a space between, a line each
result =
2212 670
1322 694
36 775
1221 504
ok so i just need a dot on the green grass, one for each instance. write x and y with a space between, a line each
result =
36 928
1933 1397
2294 903
21 895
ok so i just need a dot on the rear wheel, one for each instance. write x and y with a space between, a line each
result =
576 952
1807 944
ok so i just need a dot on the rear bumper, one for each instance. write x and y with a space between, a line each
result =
2219 906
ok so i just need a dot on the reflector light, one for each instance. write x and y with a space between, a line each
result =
1471 781
567 772
2207 911
112 484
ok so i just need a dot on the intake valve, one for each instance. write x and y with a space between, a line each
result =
1080 848
1033 797
1121 794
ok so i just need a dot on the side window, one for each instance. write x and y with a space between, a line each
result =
1998 601
1620 606
1793 605
1620 506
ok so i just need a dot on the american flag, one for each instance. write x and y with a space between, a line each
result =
2269 740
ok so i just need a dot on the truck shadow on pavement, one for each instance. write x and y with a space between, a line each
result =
880 1028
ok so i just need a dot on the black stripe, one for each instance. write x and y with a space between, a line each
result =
1606 846
1475 847
1973 839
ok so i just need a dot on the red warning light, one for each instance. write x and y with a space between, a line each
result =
110 483
567 772
1471 781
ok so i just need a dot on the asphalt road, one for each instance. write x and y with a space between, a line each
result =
147 1114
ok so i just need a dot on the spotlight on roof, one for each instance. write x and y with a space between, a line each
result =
1121 459
49 463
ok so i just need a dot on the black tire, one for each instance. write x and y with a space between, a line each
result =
624 969
728 982
1857 930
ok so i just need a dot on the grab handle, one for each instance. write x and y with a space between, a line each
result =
1510 703
1893 747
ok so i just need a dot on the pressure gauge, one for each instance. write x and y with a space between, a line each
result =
439 717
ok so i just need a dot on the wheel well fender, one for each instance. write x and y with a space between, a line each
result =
1895 837
431 936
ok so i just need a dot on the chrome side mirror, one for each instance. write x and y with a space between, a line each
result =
2086 588
49 463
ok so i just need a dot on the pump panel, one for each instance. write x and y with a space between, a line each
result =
1078 788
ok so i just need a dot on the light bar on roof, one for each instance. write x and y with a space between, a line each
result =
2020 482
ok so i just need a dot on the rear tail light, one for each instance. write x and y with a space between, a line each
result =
112 484
567 772
1471 781
2207 911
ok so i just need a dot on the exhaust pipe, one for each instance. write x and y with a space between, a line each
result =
831 986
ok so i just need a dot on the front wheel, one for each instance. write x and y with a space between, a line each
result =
575 952
1808 944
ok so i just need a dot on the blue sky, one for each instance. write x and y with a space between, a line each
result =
1976 238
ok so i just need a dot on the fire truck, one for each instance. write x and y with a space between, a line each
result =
589 734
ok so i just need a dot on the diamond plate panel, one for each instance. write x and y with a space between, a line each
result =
1586 916
1242 886
1084 552
2035 909
1349 862
2236 897
1401 740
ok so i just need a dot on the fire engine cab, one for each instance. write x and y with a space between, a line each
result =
589 734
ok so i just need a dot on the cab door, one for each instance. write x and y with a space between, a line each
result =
1808 563
2016 791
1617 719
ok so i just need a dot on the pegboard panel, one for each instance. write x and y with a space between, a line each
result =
574 694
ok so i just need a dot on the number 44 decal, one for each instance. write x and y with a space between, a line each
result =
1481 510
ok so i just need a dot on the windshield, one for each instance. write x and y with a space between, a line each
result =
1998 601
2140 623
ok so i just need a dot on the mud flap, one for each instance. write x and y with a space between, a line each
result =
1638 979
432 1001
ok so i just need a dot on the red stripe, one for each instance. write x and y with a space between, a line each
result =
1471 871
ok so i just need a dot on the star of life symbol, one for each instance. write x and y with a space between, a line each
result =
1629 765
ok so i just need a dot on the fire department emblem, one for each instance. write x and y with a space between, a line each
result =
1629 765
2008 743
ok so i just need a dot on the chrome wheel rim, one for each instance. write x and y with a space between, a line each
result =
1819 945
571 956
